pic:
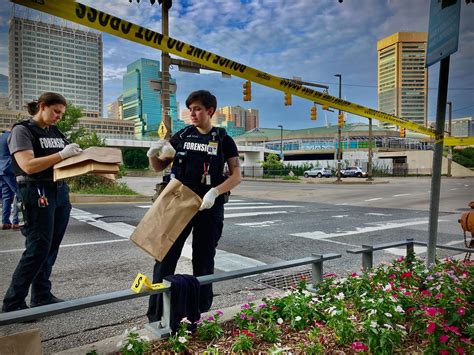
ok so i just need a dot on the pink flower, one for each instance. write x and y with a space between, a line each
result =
443 338
354 274
431 327
407 293
242 316
438 296
459 350
219 313
211 319
400 259
391 277
358 346
461 311
245 306
454 329
443 352
464 340
426 293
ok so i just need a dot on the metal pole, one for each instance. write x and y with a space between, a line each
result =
339 132
281 141
437 160
450 148
369 164
165 73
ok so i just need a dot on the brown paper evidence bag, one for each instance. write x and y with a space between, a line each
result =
166 219
101 161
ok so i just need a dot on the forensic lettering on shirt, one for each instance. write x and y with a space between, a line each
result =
198 147
52 143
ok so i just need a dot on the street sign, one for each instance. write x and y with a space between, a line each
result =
443 31
162 130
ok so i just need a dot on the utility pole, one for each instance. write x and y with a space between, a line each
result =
281 142
339 131
450 133
369 163
165 71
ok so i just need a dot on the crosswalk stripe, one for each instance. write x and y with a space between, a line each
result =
251 214
261 207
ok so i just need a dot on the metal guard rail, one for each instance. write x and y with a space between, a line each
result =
368 255
162 328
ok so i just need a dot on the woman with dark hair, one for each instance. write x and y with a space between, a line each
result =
36 145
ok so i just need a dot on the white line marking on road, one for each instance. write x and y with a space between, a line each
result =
224 261
144 206
248 203
69 245
341 243
341 204
259 207
373 199
403 251
401 195
258 224
251 214
341 216
377 214
390 225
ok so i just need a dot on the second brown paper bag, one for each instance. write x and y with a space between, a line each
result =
166 219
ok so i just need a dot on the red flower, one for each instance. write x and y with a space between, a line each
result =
438 296
443 352
431 311
443 338
459 350
407 293
431 327
247 333
454 329
461 311
410 309
406 275
354 274
426 293
458 300
358 346
391 277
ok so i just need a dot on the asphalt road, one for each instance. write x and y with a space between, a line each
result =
266 222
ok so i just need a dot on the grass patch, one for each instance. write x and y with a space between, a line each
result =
291 178
118 188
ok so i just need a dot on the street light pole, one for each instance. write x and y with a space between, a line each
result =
165 72
450 133
281 142
339 131
369 163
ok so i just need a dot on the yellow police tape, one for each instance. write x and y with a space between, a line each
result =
99 20
143 283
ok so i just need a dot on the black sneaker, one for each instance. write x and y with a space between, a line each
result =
51 300
14 308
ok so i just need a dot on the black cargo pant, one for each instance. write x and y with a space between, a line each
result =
207 229
44 230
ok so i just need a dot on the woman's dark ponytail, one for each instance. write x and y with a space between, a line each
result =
48 98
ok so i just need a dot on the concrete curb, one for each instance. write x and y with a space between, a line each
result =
345 181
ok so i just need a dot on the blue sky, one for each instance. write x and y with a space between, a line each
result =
309 39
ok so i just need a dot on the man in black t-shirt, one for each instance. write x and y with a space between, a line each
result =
199 153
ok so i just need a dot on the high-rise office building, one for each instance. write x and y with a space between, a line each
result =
244 118
142 98
48 57
115 109
3 86
402 76
251 119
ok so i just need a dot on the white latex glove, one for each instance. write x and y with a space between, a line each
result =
155 148
168 150
209 199
70 150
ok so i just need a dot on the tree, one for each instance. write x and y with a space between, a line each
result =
69 124
272 162
135 158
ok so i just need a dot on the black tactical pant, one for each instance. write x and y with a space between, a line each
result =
207 229
44 230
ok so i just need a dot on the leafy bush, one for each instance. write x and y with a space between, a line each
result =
464 157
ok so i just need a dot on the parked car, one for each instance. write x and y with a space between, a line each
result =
354 171
318 172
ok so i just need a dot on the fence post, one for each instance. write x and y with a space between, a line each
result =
162 328
367 257
317 270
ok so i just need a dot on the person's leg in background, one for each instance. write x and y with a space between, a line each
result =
7 200
10 180
206 234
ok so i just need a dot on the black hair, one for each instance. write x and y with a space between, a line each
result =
204 97
47 98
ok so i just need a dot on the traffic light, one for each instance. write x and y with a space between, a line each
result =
247 90
314 113
340 120
403 132
287 99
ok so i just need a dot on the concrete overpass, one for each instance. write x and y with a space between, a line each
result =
250 154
